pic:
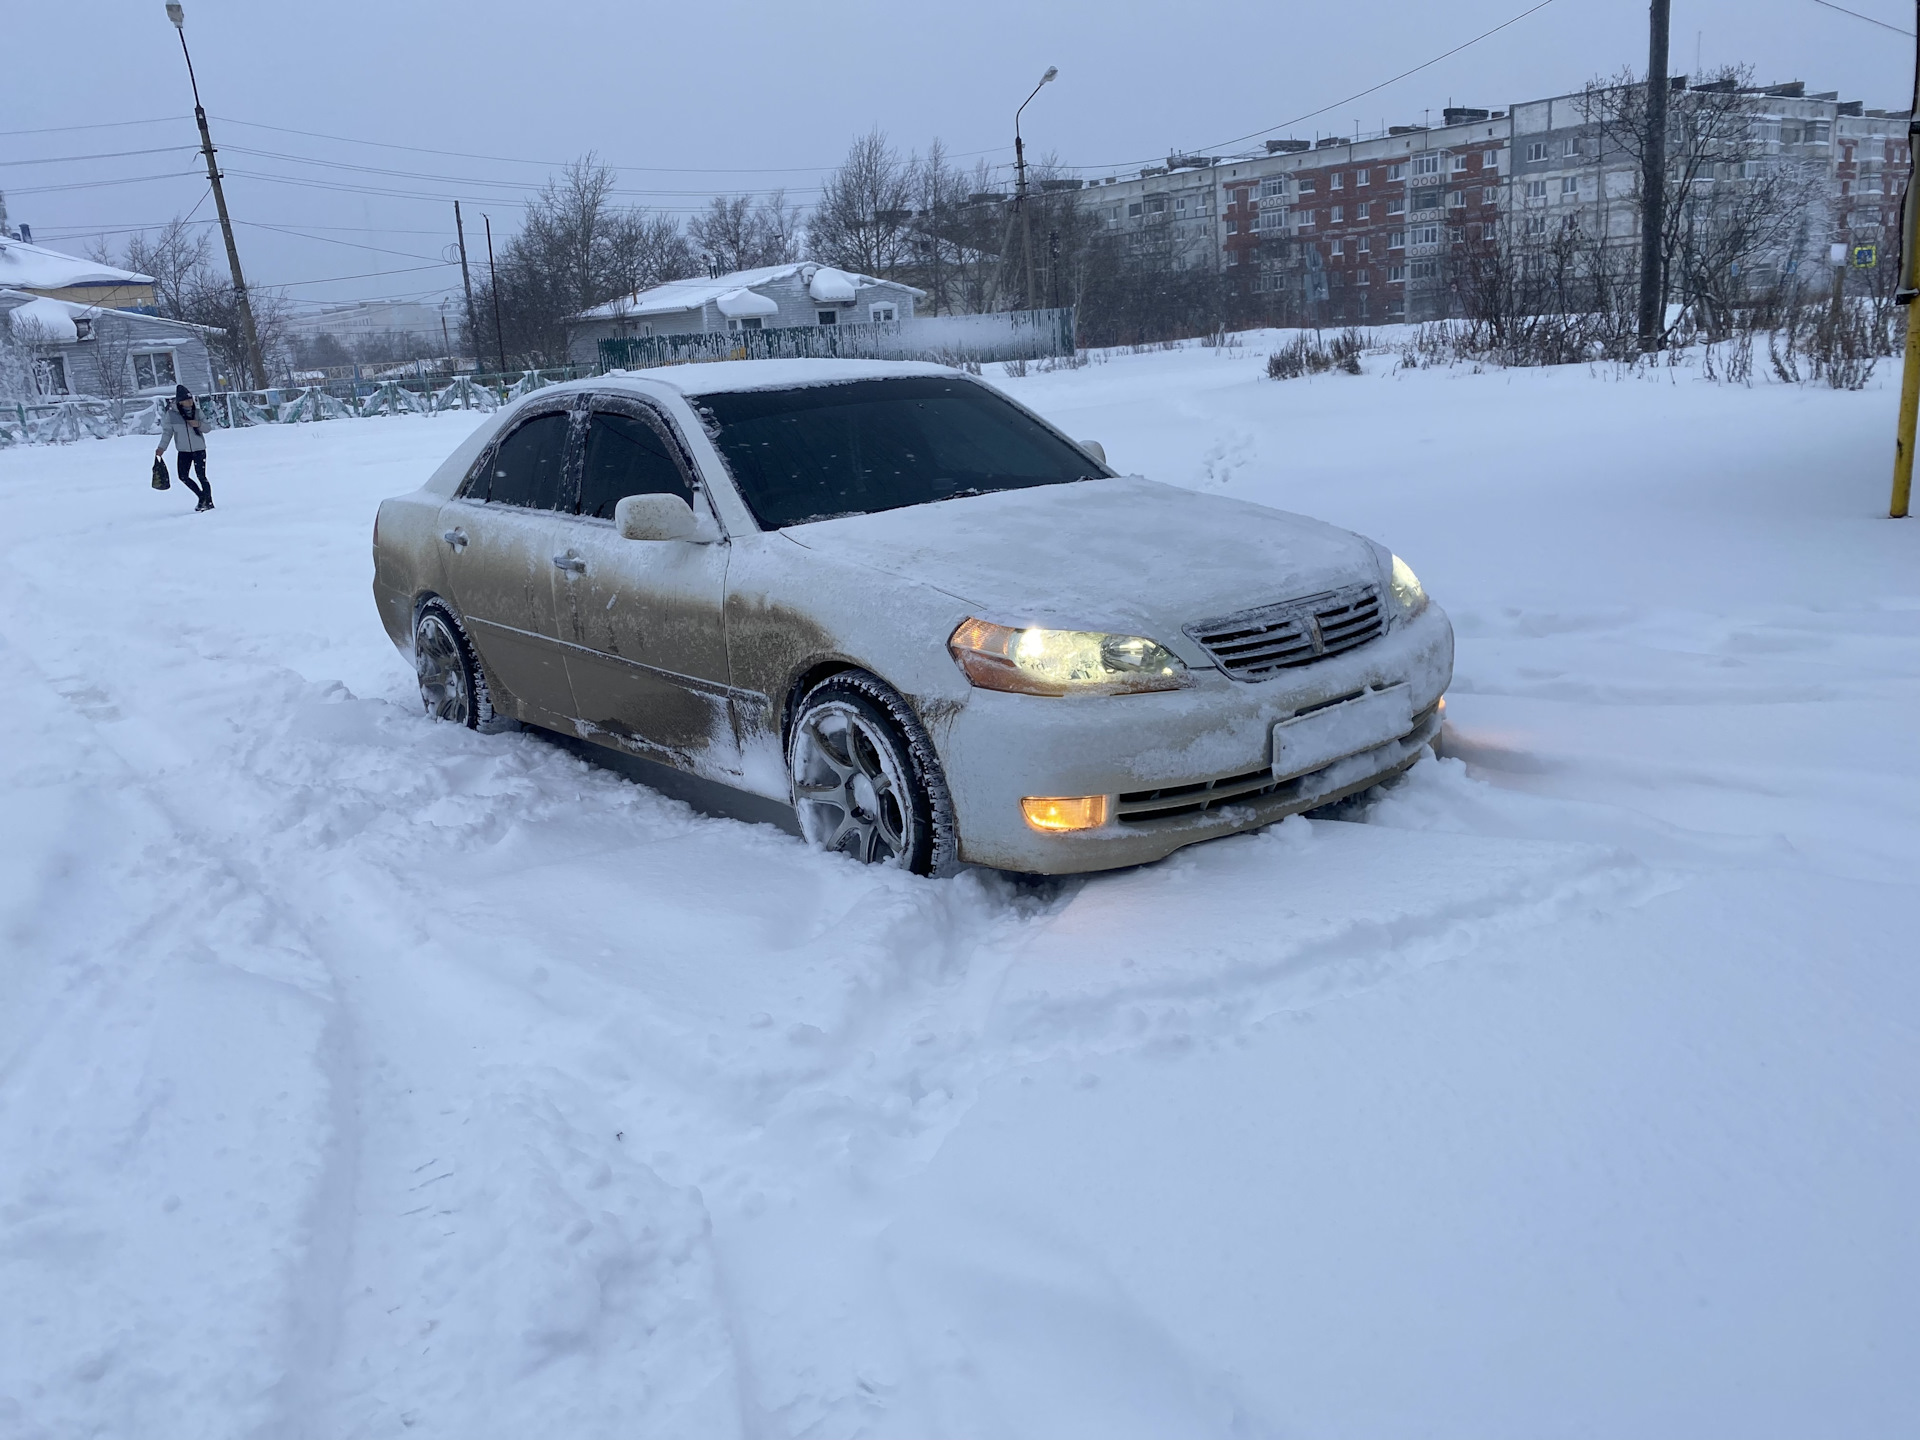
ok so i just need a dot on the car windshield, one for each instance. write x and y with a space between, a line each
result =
822 451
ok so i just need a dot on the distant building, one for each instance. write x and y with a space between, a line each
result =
773 297
1378 228
438 323
40 271
74 349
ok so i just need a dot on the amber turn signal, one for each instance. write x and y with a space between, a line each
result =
1065 812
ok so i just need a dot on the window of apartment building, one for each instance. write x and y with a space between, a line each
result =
1156 205
1456 233
1426 234
1338 248
1306 184
1490 197
1569 185
1233 226
1396 172
1337 181
1426 165
1396 240
1536 189
1426 199
1397 205
1270 218
1339 214
1364 244
1362 210
1363 177
1396 274
1459 164
1573 147
1537 150
1424 269
1133 209
1536 225
1363 277
1179 204
1490 160
1456 200
1303 218
1273 187
154 371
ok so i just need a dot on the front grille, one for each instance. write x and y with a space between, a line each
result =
1256 644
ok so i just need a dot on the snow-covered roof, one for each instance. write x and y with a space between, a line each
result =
29 267
773 374
45 308
49 318
737 304
678 296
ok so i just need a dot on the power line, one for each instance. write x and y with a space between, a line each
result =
101 125
1362 94
1868 18
450 179
104 155
99 184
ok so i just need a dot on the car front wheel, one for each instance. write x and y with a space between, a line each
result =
866 781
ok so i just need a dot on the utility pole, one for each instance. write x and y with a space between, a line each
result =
1906 294
1653 183
466 280
255 362
1020 187
493 284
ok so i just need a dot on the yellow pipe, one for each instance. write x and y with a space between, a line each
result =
1909 410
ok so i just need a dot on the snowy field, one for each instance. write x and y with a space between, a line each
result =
363 1077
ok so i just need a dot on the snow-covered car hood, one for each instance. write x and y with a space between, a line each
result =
1127 555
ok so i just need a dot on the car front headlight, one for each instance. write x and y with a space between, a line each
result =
1408 593
1035 661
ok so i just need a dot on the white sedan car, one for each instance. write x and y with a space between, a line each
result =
892 598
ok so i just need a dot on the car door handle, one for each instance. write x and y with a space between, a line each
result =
571 563
455 537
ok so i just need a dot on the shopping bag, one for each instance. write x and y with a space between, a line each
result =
160 480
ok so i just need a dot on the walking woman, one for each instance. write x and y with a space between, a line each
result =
181 423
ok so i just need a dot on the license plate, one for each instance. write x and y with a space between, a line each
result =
1320 737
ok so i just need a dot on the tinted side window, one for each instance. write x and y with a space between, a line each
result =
627 456
529 465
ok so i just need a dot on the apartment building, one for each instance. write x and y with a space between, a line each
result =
1387 227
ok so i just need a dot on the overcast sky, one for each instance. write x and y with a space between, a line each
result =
691 100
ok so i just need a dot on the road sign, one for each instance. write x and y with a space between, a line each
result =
1865 257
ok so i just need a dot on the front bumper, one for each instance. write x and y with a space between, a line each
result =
1208 744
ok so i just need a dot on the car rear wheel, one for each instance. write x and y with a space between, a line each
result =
453 683
866 781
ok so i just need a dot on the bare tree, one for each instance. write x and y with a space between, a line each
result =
1737 213
178 257
864 219
112 346
738 233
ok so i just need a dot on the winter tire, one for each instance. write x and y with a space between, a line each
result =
453 683
866 781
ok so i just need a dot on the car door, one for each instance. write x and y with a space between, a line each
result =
502 535
646 618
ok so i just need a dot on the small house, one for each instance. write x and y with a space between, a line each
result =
772 297
75 349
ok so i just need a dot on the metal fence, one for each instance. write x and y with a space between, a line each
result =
945 339
80 417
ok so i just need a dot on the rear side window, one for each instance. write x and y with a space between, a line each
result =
529 465
627 456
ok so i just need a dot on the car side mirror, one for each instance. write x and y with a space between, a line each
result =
655 517
1095 449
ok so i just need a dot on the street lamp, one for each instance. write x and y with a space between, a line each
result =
1020 185
254 361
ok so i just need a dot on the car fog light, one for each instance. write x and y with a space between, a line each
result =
1065 812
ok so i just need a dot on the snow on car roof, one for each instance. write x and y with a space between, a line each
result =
723 376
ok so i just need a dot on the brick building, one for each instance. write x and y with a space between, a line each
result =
1379 228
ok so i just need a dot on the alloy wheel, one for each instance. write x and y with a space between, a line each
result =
848 787
442 670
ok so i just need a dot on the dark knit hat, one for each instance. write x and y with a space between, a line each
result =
180 392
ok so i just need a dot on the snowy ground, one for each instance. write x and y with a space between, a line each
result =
361 1077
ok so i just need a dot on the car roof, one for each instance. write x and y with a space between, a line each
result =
721 376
